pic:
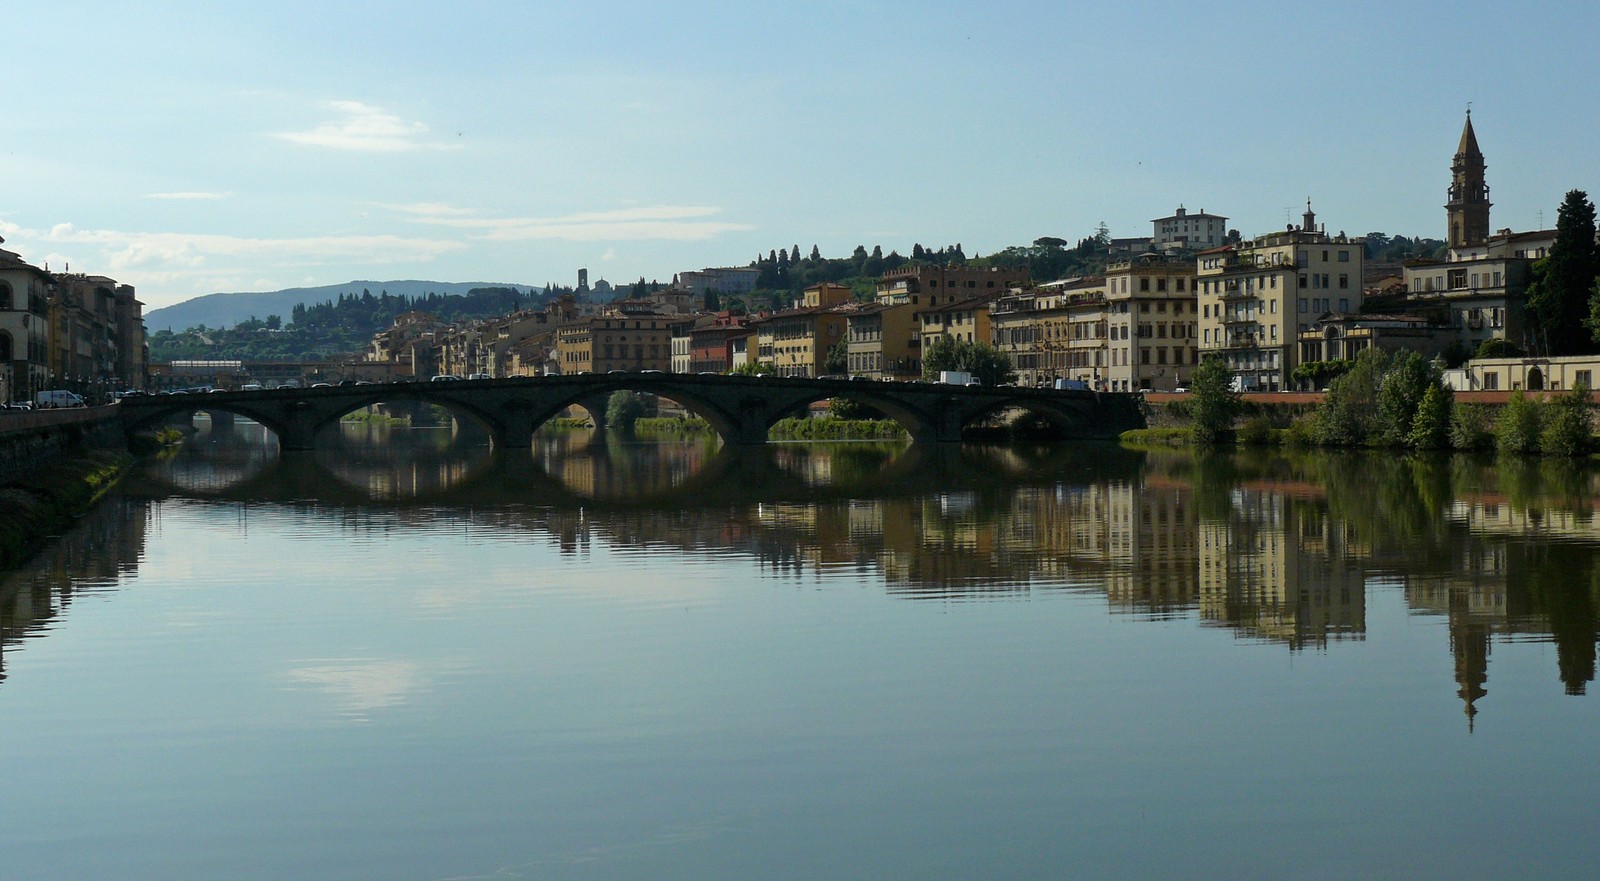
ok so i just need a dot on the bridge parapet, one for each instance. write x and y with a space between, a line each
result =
740 408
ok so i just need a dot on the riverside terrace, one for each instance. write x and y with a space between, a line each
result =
739 408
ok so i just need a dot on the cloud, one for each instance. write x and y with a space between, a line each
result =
684 223
195 196
362 686
167 260
366 129
610 254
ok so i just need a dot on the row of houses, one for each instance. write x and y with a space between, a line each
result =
62 330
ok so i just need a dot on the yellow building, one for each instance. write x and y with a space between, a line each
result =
796 341
936 285
885 341
1152 323
1256 297
966 320
24 328
632 337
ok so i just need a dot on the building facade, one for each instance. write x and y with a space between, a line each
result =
1193 232
1151 328
1258 296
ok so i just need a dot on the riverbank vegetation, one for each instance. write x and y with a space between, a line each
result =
50 500
373 417
832 428
1387 401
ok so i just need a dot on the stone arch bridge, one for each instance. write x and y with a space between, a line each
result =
739 408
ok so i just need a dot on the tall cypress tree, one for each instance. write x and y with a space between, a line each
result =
1559 297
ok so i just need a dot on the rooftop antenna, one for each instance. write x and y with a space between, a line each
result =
1541 218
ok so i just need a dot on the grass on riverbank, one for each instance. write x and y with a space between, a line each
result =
829 428
670 427
368 417
47 502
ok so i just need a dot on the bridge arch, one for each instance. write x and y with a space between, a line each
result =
1067 414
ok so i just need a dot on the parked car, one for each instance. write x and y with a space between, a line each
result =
473 376
322 385
57 398
251 387
446 377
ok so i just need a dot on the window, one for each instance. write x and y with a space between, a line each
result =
1344 256
1344 281
1144 284
1344 305
1302 304
1581 379
1302 280
1491 381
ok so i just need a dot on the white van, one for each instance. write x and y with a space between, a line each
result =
57 398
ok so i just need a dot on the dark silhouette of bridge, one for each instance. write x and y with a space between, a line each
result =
739 408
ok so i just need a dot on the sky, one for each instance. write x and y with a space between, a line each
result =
193 147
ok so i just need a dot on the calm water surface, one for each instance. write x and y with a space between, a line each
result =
401 657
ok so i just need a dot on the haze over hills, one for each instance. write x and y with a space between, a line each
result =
228 309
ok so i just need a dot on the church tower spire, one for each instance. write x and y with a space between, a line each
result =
1468 208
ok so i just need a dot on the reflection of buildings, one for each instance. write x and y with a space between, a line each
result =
1284 559
1277 569
106 544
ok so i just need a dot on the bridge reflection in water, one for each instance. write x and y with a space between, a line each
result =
1277 548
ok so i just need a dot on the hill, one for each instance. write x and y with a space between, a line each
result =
227 310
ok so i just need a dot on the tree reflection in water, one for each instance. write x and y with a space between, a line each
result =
1277 546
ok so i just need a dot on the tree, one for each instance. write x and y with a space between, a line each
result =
1566 430
1430 428
1559 296
1347 415
987 364
754 368
837 361
1213 402
274 322
1518 428
623 409
1400 395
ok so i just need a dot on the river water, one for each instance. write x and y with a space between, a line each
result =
402 657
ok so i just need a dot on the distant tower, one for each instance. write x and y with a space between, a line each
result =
583 281
1468 208
1308 220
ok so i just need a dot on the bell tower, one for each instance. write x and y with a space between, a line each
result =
1468 208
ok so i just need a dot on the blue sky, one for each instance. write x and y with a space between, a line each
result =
192 147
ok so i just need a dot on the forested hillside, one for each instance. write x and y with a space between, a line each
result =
332 327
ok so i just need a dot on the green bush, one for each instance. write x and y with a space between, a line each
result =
1214 404
1566 430
1255 431
1471 427
1302 432
1348 412
836 429
1157 436
1430 427
1518 428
